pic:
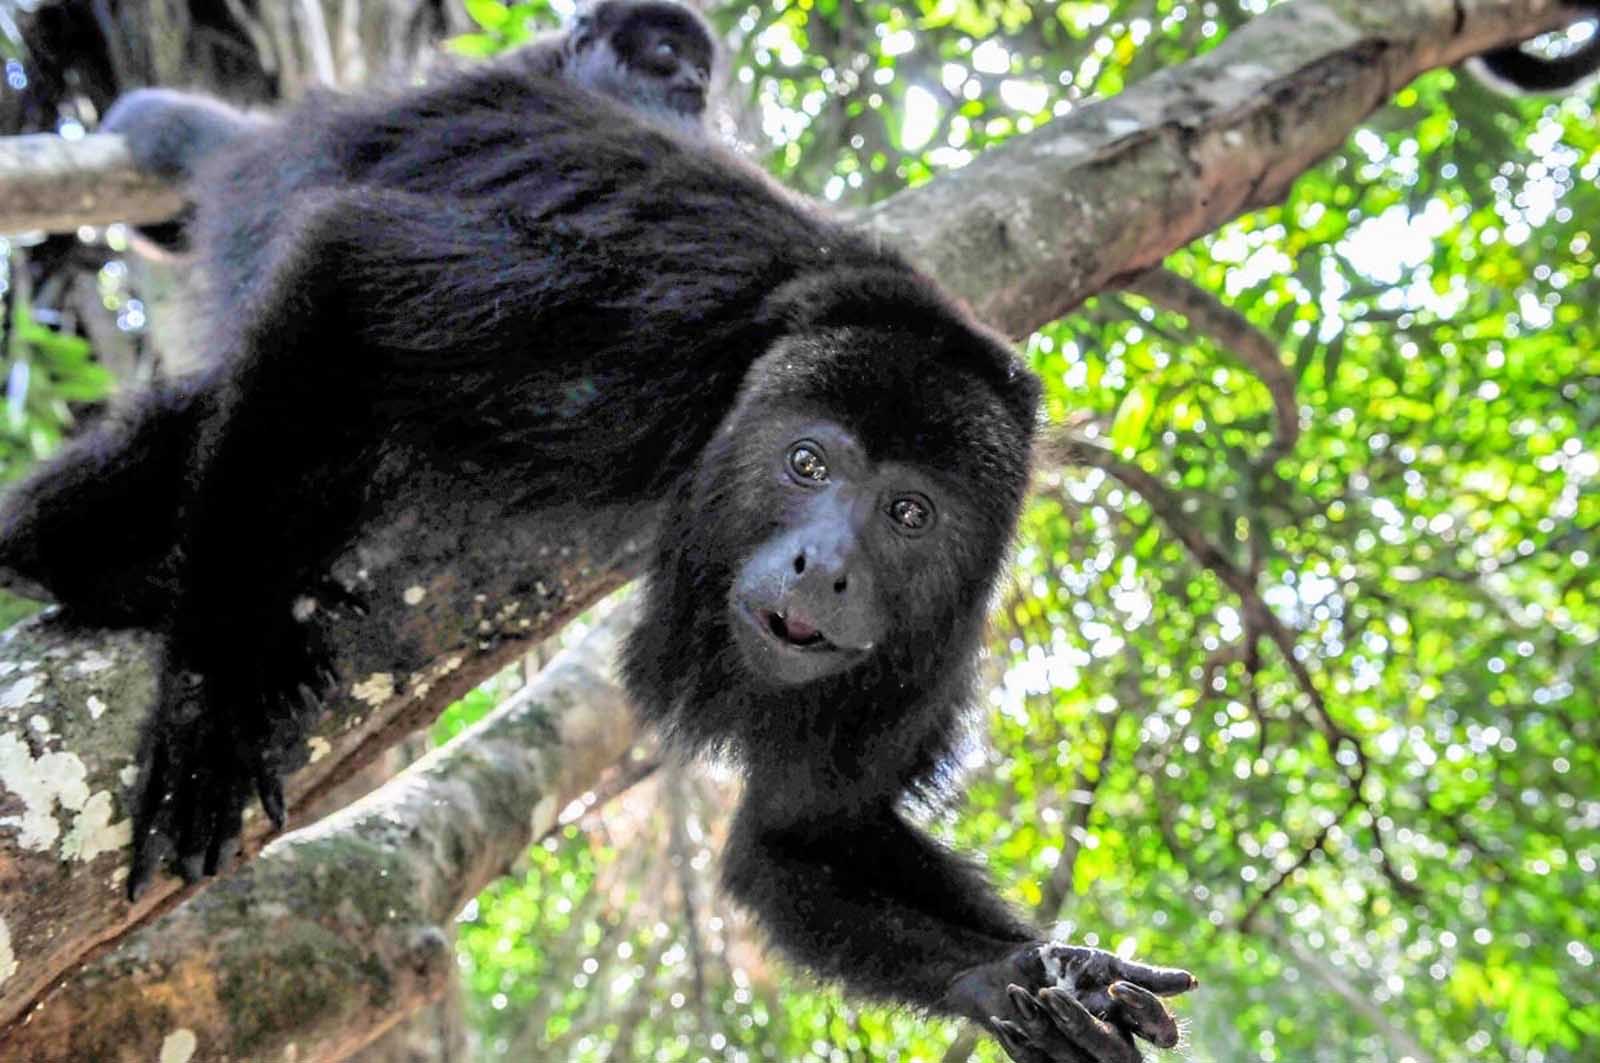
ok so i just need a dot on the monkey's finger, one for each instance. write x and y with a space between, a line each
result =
269 788
1141 1012
197 815
1040 1029
225 832
152 822
222 854
1035 1021
150 848
1015 1042
1163 981
1091 1036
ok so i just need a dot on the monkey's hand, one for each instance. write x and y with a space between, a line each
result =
221 732
1053 1003
197 771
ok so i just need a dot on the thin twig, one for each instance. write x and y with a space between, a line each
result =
1233 332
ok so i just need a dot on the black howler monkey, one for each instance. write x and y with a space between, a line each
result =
1517 70
842 450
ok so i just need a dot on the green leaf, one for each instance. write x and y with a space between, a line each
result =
477 45
490 14
1132 419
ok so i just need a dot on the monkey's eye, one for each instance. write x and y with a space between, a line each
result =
911 513
666 50
805 461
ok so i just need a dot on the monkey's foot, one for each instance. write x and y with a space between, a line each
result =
196 776
1052 1003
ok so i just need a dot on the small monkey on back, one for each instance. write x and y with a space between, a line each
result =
654 56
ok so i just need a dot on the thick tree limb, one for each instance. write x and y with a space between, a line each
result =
1034 227
1023 234
54 184
455 595
334 932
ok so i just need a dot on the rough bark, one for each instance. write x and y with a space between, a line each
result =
58 185
1023 234
455 595
337 931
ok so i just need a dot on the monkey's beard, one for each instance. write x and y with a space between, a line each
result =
599 69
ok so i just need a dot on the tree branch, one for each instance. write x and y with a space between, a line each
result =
1034 227
455 594
1233 332
54 184
336 930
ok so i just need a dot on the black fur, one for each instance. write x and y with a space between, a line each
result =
170 132
518 280
104 525
1518 71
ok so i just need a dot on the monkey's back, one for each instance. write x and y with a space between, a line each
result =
570 266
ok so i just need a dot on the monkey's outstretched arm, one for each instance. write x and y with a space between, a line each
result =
861 896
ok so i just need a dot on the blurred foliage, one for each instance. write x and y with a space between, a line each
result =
1399 862
48 373
504 26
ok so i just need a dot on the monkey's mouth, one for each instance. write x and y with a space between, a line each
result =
792 632
689 100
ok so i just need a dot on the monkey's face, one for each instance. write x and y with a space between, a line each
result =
653 56
863 520
674 54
